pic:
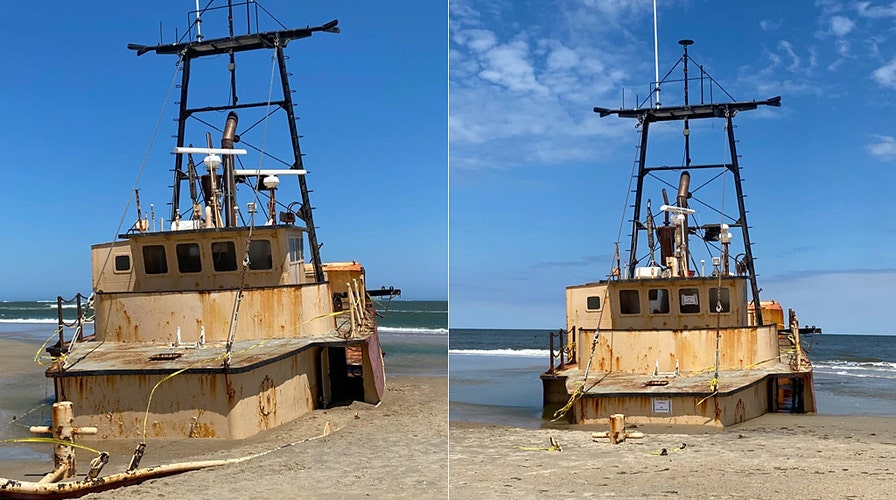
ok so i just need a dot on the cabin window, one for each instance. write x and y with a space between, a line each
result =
188 260
295 249
260 255
723 298
154 261
592 303
689 300
658 300
122 263
629 302
224 256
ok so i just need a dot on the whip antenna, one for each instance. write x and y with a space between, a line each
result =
656 57
199 21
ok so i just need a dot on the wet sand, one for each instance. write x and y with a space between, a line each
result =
395 450
774 456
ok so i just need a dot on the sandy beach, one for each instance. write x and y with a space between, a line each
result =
397 449
774 456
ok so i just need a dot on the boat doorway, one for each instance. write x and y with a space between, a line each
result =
788 394
342 378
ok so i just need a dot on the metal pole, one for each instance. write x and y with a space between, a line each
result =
182 116
636 216
748 247
297 152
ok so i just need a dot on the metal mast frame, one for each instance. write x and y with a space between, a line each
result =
274 40
645 117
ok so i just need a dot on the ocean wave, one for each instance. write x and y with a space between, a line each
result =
410 311
859 369
858 365
425 331
517 353
30 320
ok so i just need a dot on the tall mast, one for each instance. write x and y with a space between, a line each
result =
276 41
686 112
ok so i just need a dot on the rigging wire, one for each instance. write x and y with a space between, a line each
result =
580 391
145 160
246 261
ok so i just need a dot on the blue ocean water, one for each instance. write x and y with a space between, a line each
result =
414 336
494 375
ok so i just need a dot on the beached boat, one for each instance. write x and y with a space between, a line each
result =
663 339
217 323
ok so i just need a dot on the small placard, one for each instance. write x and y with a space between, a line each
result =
662 405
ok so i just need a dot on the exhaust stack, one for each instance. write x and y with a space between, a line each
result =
227 141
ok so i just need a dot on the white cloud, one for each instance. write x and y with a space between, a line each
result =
865 9
841 26
787 47
520 96
509 65
885 76
884 148
768 25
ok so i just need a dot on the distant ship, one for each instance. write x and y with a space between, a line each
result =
665 339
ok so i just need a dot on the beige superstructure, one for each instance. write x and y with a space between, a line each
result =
166 305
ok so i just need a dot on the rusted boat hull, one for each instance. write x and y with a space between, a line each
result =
741 396
257 392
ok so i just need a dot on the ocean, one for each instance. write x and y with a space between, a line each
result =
413 335
494 375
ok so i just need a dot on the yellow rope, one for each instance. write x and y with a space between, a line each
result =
37 356
555 446
576 394
50 441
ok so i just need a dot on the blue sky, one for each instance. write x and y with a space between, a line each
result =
538 181
79 111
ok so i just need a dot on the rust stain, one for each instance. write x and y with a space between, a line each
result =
267 402
740 412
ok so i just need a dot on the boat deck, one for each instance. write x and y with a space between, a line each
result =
116 358
623 384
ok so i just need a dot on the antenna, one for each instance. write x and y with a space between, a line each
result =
687 130
198 23
656 57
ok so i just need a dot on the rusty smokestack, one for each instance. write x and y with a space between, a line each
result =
684 184
229 182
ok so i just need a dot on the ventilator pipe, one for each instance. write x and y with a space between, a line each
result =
229 184
684 182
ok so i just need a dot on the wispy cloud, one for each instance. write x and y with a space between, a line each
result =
811 273
885 76
521 96
865 9
841 25
884 148
769 25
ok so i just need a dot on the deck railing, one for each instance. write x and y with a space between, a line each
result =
565 352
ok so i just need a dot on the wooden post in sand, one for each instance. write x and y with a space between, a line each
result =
617 432
617 428
63 455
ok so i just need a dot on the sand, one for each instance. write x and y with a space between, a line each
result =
398 449
775 456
